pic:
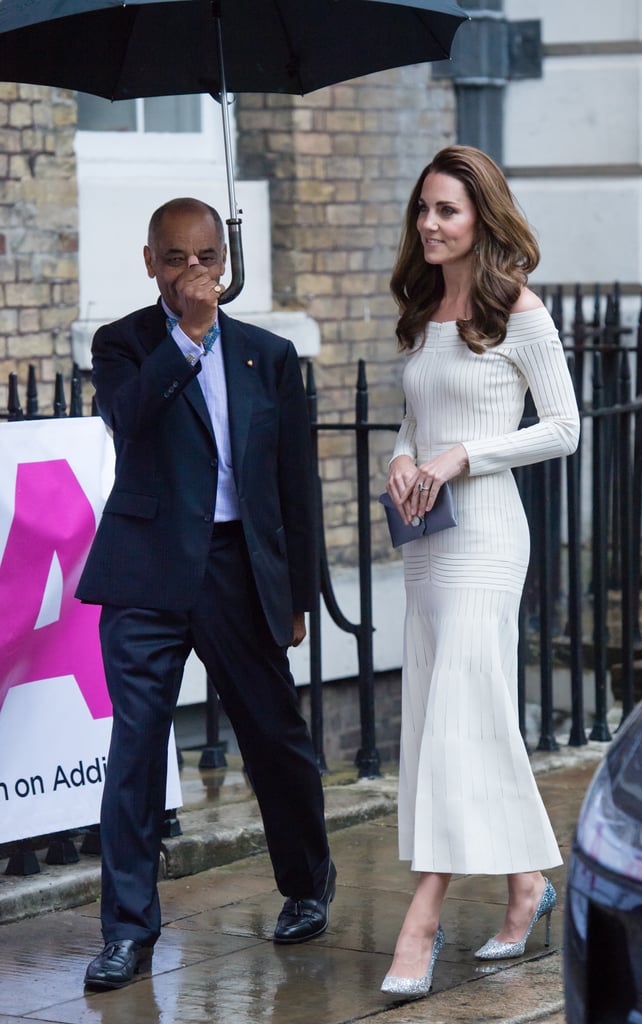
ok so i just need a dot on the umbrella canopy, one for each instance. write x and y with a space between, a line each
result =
137 49
176 47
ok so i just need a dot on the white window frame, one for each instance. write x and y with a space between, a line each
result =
207 145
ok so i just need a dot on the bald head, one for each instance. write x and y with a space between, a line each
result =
183 207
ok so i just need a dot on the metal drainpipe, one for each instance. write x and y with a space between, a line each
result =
488 52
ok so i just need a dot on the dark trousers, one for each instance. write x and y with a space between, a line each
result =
144 652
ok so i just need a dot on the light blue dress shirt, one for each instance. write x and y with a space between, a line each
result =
214 388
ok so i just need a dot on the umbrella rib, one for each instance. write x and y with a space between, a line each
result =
444 49
293 68
133 14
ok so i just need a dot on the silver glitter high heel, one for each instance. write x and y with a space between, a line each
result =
416 986
494 950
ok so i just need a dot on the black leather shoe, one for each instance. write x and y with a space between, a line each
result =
118 963
301 920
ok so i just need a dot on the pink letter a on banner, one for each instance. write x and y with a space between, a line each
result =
52 518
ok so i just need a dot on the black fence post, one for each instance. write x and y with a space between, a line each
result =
171 825
637 484
557 309
90 843
213 753
626 535
579 341
522 659
597 317
547 739
75 402
23 861
613 338
600 730
577 737
62 850
32 393
60 404
314 618
14 408
367 759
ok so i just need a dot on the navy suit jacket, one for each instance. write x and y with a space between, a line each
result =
152 542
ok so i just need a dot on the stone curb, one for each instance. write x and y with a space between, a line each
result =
220 835
209 838
231 833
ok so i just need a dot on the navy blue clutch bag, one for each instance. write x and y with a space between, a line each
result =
441 517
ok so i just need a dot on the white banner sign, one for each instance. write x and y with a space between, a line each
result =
55 713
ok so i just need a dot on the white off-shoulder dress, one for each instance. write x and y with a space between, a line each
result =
468 802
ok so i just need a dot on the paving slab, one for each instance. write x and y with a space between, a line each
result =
215 961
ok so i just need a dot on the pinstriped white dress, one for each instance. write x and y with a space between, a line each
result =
468 802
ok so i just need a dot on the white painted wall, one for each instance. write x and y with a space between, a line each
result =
572 21
584 113
584 110
589 229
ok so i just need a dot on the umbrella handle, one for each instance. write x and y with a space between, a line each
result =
236 259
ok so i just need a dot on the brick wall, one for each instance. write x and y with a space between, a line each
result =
38 235
341 163
342 720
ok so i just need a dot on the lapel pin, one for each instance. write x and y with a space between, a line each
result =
249 362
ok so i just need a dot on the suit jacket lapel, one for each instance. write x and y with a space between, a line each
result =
194 395
240 358
154 329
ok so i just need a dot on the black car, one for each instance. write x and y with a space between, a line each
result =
603 922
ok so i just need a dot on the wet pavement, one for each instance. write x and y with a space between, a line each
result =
215 961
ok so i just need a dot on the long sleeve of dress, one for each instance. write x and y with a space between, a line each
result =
406 438
478 400
534 349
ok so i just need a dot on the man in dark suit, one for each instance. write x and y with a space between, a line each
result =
205 543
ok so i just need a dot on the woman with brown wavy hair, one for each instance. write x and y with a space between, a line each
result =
474 339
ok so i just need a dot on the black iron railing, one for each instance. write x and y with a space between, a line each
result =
567 612
582 597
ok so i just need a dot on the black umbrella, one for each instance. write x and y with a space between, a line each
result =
174 47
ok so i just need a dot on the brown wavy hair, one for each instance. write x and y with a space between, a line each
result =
505 253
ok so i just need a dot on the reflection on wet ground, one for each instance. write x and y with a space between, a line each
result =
215 962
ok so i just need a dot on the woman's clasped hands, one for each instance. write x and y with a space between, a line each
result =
414 489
